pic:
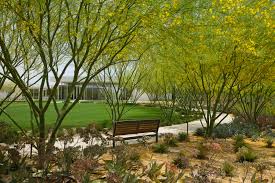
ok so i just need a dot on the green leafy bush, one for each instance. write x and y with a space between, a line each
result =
8 135
200 132
269 142
160 148
246 154
181 162
228 169
237 127
239 142
170 140
182 136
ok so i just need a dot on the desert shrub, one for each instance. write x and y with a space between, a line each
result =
66 157
182 136
202 151
8 134
91 135
228 168
202 173
170 140
120 155
160 148
239 142
246 154
171 175
14 164
255 138
153 170
134 156
269 142
181 162
94 151
236 127
120 167
261 168
200 132
81 168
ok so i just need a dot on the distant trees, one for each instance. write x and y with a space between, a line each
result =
120 85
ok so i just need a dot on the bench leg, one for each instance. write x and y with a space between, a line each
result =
157 138
114 144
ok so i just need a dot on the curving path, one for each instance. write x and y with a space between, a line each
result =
173 129
193 125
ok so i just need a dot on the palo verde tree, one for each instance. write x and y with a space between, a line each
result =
219 48
120 84
229 59
63 36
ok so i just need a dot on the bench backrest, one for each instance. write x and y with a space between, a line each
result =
136 126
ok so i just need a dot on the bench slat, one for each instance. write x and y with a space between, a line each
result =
135 127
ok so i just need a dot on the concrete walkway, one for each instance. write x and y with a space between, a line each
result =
173 129
192 126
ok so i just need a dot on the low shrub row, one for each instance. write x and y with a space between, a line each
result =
236 127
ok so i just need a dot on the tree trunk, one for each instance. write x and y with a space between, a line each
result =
41 145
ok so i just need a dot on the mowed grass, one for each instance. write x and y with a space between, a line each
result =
81 115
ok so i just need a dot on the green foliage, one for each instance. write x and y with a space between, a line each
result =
182 136
239 142
200 132
160 148
153 170
269 142
246 154
8 134
236 127
228 168
170 140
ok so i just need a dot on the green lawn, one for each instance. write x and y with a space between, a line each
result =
81 115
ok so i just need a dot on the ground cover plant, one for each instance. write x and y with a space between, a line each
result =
269 142
228 168
182 136
236 127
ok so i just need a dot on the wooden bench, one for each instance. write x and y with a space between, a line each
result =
135 127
